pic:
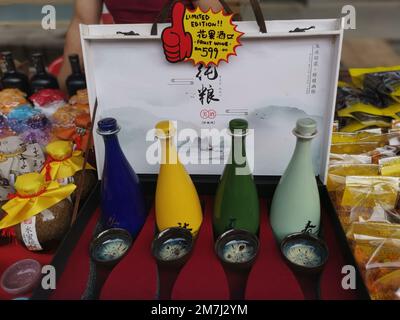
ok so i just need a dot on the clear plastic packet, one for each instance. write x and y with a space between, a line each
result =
351 137
376 249
360 137
394 133
390 166
369 199
354 147
382 273
381 153
335 159
372 232
337 174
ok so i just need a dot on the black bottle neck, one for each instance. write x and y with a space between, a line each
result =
75 65
9 62
39 64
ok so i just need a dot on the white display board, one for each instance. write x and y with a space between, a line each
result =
275 79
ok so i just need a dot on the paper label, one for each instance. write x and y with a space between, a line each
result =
65 181
29 235
201 37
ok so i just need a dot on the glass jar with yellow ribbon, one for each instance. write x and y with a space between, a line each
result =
64 165
39 211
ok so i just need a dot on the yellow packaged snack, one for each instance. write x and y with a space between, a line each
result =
346 137
370 192
337 179
362 232
384 80
383 271
360 136
335 159
354 147
390 166
355 125
381 153
337 174
368 199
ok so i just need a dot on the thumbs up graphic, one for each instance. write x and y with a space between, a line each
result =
176 42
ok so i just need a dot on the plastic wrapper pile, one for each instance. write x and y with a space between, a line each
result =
33 132
44 117
370 100
363 182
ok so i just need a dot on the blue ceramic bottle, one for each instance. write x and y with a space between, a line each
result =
122 202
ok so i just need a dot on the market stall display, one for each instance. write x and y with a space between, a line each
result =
27 128
168 233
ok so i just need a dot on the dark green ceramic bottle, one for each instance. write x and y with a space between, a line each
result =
236 202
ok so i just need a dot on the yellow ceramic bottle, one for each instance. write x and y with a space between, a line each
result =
177 202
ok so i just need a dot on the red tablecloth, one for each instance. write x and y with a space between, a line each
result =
136 276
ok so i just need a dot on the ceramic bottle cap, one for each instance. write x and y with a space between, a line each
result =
306 127
107 126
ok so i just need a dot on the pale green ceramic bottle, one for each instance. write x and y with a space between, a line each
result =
296 204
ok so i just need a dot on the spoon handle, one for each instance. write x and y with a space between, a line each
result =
202 277
270 277
135 277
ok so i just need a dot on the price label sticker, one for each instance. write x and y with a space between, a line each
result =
205 38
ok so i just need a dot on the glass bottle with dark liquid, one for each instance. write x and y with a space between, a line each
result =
11 77
76 80
42 79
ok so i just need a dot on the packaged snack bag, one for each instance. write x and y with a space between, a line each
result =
354 147
369 199
48 100
79 133
81 97
11 98
390 166
384 80
335 159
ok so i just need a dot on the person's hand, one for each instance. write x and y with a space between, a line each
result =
177 43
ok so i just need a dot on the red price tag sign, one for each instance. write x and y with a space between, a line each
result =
201 37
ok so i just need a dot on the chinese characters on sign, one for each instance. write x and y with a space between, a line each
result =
201 37
209 92
313 70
